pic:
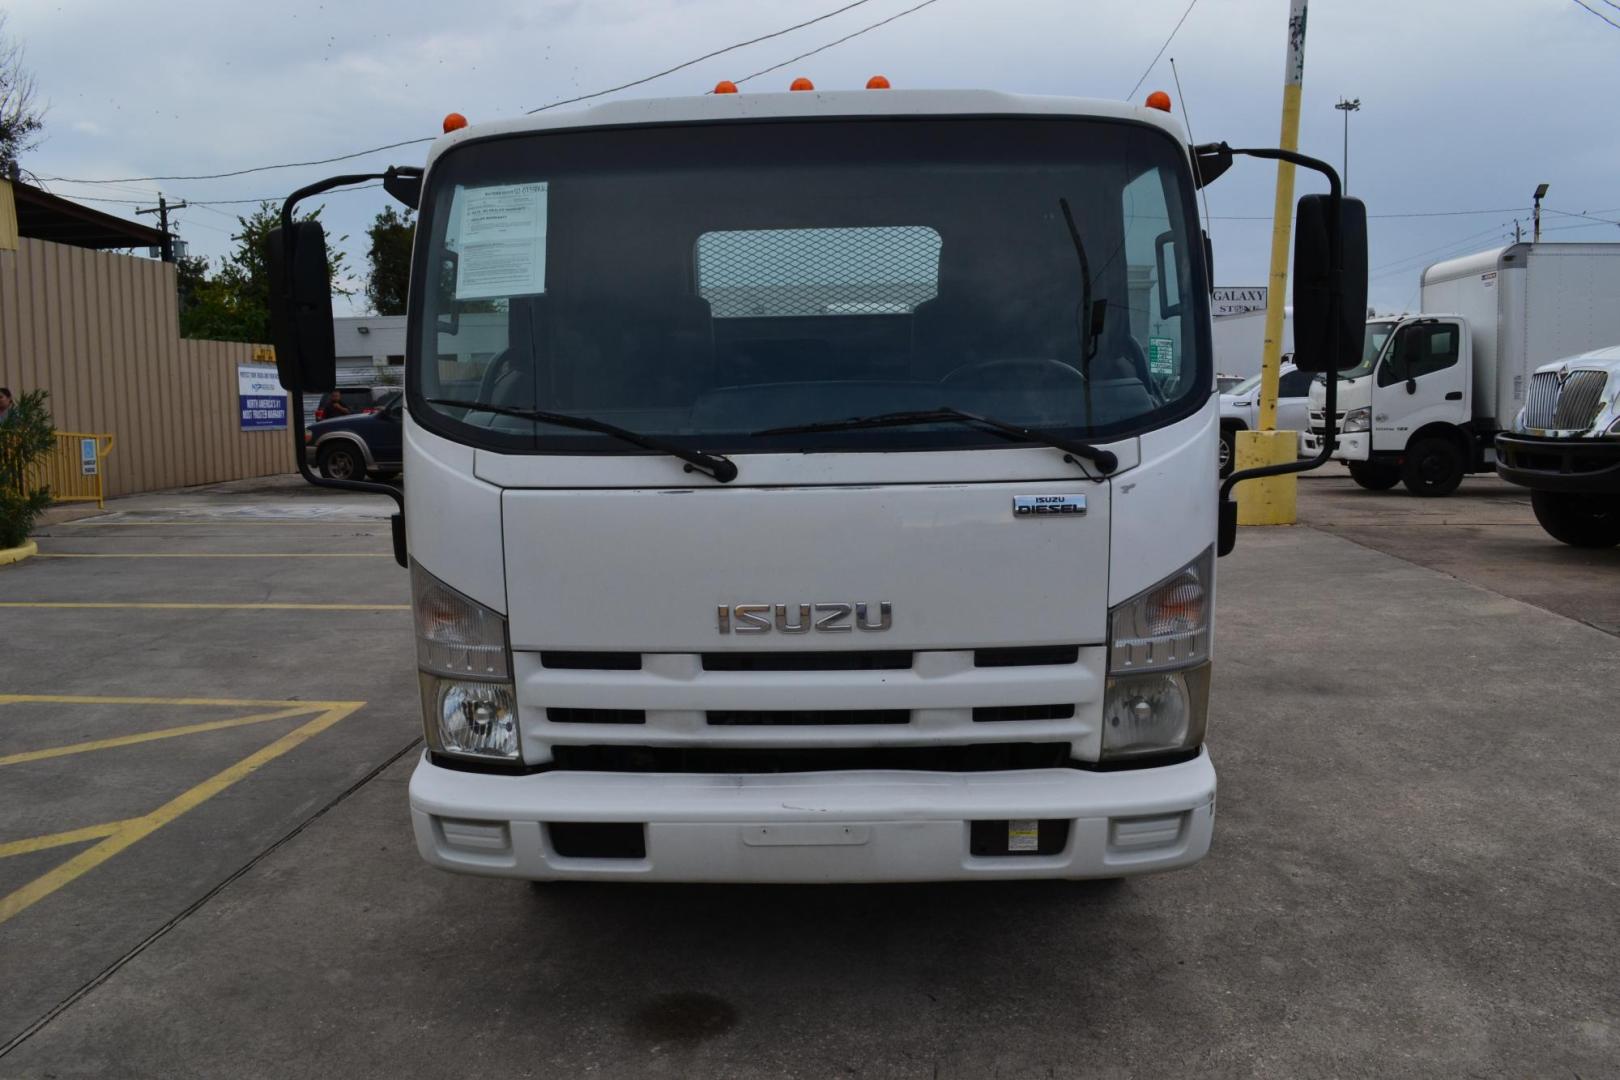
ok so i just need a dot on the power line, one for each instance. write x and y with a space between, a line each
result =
430 138
839 41
1149 70
1587 7
698 60
1406 214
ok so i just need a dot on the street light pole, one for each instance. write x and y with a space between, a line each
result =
1347 107
1541 193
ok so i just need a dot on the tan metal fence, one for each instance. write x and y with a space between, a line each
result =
101 333
74 471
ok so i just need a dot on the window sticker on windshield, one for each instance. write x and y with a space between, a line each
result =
503 241
1161 356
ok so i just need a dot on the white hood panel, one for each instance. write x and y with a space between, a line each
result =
646 570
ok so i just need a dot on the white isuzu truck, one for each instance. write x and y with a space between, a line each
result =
837 505
1424 409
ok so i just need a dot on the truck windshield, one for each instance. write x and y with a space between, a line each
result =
1377 335
705 285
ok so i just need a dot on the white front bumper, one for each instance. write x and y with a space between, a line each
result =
816 827
1347 447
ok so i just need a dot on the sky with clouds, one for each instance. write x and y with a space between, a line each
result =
1466 104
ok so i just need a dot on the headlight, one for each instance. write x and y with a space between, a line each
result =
469 705
1358 420
1614 428
1157 698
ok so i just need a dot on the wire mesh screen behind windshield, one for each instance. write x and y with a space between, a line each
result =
766 273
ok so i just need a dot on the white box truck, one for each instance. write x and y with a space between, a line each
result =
1426 408
838 504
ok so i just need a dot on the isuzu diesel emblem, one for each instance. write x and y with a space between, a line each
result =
803 618
1031 506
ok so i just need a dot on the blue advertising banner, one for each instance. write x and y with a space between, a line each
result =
262 403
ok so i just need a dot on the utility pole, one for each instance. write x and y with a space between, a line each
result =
162 211
1541 193
1347 107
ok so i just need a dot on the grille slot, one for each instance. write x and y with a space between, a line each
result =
591 661
1542 400
893 660
982 757
807 717
595 716
1001 713
1027 656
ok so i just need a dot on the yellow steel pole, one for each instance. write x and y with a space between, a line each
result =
1271 500
1282 217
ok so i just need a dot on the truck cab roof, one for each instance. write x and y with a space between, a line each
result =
810 104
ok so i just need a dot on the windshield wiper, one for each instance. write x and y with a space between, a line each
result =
721 468
1105 460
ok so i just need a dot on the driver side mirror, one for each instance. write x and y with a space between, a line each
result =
301 307
1330 321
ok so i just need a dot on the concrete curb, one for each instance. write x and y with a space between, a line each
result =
18 554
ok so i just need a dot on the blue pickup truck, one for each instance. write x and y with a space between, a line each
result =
360 444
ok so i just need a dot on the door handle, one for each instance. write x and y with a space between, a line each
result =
1455 395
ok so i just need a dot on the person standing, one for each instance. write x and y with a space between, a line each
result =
335 406
6 402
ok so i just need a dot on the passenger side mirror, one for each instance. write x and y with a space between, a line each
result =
1330 322
301 307
1160 243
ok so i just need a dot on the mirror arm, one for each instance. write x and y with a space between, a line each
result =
1227 536
296 404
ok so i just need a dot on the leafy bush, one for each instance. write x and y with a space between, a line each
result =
26 437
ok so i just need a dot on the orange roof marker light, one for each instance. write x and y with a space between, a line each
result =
1158 100
725 86
878 82
454 122
802 83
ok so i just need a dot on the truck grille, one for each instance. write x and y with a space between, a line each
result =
1318 421
789 710
1571 407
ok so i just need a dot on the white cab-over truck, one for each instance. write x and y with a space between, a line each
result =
1565 447
1425 407
837 505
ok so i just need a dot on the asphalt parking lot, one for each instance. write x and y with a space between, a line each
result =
207 716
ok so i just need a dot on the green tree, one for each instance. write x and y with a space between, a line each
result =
27 435
390 257
22 118
234 303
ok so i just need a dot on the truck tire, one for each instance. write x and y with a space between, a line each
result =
342 461
1228 450
1584 521
1374 476
1434 467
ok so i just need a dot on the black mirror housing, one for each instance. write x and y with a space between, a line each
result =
301 307
1330 306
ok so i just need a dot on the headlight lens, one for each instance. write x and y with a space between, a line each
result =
474 719
1614 428
1154 713
1358 420
1157 697
469 704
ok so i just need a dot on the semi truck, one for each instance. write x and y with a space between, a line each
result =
1565 447
1424 409
838 504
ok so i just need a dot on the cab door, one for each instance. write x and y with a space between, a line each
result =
1422 378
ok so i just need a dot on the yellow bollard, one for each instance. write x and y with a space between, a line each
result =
1269 500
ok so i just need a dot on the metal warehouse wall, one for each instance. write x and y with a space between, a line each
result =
101 333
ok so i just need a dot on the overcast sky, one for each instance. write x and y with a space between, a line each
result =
1466 104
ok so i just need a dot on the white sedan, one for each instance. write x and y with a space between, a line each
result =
1240 408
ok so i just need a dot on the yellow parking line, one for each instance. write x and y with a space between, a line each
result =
201 607
75 836
102 699
150 736
137 829
220 555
